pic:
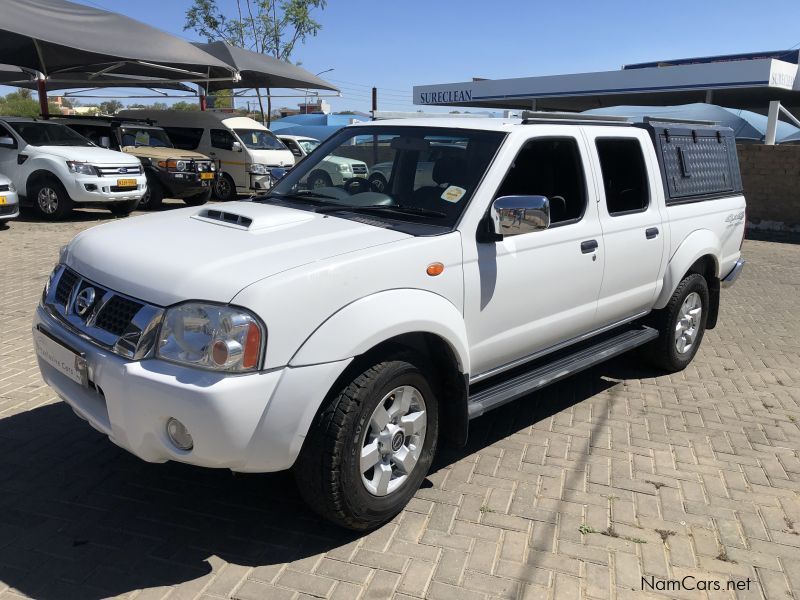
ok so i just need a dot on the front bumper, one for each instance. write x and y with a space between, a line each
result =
183 185
731 277
10 208
90 189
253 423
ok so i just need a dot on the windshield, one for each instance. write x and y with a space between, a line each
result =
259 139
48 134
309 146
144 136
421 175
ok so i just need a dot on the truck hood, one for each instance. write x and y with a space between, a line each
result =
163 153
90 154
213 252
273 158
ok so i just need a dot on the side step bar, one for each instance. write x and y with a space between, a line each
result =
542 374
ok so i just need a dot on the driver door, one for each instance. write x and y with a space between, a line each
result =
534 291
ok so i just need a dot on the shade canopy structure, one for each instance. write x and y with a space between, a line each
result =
317 126
17 77
791 139
260 71
57 36
746 125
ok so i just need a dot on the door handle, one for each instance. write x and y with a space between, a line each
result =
588 246
652 232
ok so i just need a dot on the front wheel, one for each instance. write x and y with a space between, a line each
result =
681 324
153 195
51 199
123 209
370 446
225 188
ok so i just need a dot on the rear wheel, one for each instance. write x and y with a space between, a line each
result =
681 324
370 446
225 188
319 179
51 199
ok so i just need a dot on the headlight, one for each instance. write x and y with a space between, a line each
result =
213 166
180 165
211 336
81 168
259 169
344 168
11 186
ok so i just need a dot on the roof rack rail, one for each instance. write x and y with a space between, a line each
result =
537 116
110 118
678 121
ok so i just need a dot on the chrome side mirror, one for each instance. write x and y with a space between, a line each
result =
515 215
105 141
236 146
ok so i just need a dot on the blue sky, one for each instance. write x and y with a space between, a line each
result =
395 45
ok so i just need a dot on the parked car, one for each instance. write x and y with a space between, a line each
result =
344 332
245 149
9 202
54 169
171 172
334 170
381 173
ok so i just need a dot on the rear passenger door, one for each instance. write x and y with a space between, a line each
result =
632 224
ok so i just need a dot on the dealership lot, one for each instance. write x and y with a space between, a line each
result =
583 488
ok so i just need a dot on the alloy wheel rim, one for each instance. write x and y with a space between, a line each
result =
47 200
688 325
393 441
223 189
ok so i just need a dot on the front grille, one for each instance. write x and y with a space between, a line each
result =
360 169
117 188
114 170
65 285
123 325
201 166
4 187
7 209
116 314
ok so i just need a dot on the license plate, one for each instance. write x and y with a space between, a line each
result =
63 359
126 183
206 176
2 200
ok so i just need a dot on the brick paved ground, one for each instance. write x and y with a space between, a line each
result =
574 492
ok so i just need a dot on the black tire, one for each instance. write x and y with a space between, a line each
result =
123 209
225 188
378 182
50 199
327 471
198 199
153 195
664 352
319 179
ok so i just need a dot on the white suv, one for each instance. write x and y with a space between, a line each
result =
55 168
334 170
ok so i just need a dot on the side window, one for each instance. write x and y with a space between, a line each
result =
222 138
624 175
550 167
185 138
292 145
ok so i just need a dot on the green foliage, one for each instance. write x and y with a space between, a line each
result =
183 105
110 107
22 103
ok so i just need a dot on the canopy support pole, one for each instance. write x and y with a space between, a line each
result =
202 97
41 87
772 122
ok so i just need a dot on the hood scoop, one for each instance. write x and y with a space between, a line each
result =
252 217
226 217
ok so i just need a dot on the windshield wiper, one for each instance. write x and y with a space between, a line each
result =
398 208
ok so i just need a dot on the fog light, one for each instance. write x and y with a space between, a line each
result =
179 435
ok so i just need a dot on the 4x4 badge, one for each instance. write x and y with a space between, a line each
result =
84 301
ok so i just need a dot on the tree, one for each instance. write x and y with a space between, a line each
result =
273 27
22 104
183 105
110 107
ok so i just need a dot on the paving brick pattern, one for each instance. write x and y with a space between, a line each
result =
578 491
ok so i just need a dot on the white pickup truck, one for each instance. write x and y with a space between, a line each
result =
344 332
